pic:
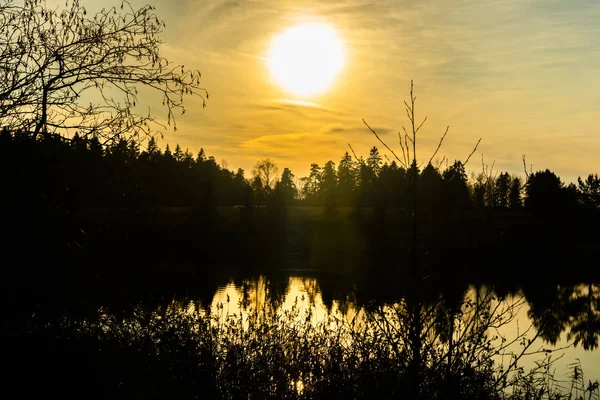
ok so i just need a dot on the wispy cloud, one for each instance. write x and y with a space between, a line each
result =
522 74
294 146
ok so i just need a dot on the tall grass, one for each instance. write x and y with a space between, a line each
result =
179 351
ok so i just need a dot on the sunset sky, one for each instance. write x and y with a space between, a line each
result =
524 75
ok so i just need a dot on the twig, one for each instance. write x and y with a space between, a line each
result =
417 130
405 165
525 168
382 142
441 162
408 110
474 150
439 144
360 161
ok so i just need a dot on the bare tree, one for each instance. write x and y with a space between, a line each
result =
415 305
300 185
53 59
267 171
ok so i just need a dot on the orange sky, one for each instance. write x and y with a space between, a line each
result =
524 75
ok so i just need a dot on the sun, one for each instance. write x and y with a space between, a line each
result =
306 58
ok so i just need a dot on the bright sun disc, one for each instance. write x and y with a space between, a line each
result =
306 58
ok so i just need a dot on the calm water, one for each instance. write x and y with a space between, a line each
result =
305 292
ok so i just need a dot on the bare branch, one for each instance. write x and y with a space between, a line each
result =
439 144
417 130
440 163
381 141
405 164
359 160
474 150
525 168
407 148
51 58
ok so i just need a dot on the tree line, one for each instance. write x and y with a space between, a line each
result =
373 182
84 172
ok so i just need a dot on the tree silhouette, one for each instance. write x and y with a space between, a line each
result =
585 323
479 187
346 176
374 161
545 192
514 196
286 186
366 179
313 183
390 188
456 188
590 191
431 184
328 184
201 157
548 309
502 189
178 154
258 190
50 59
301 184
575 309
266 170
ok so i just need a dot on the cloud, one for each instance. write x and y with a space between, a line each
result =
381 131
303 109
300 103
334 128
292 145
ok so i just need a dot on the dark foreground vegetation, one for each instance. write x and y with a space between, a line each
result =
173 353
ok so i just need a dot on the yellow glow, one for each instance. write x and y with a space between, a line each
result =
305 59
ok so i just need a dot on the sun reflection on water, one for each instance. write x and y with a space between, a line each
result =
303 297
301 294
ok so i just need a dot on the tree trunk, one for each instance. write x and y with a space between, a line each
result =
41 124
